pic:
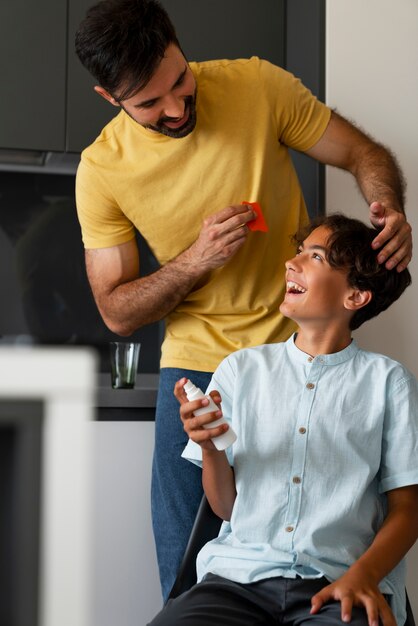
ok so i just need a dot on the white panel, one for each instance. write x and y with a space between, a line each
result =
67 530
64 379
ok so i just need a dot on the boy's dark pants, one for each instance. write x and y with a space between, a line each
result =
217 601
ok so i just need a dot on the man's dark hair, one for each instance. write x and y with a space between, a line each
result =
349 248
122 42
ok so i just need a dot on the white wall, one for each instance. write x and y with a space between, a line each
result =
372 78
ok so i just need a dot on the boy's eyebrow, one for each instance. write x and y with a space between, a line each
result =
314 247
150 100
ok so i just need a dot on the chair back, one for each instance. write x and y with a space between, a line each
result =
409 616
206 527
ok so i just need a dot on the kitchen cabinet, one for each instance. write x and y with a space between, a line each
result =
127 405
49 106
32 69
48 103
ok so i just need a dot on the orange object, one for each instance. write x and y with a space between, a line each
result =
258 223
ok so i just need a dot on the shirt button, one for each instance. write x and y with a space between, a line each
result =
302 430
310 386
289 529
296 480
310 359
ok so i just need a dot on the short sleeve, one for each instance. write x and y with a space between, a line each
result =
399 463
103 224
223 381
300 117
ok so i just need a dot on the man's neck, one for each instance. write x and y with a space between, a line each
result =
316 341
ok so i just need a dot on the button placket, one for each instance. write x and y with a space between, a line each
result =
296 478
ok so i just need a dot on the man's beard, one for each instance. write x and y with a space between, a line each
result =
182 131
176 133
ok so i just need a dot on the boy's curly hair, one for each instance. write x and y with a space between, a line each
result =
349 248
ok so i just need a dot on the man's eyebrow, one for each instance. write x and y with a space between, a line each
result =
139 105
180 78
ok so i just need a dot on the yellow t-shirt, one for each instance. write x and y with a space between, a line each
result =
248 113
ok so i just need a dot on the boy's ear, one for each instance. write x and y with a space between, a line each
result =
106 95
357 299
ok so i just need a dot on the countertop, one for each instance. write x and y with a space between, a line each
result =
143 395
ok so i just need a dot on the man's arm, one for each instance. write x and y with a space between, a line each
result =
217 475
359 586
127 302
381 183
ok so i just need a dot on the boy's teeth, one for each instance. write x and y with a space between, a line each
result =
295 287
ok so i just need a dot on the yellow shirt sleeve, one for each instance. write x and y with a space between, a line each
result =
102 222
300 117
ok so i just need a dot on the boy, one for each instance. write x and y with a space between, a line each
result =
319 492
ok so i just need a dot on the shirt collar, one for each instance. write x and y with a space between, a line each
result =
336 358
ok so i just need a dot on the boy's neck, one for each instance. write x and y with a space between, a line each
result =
322 341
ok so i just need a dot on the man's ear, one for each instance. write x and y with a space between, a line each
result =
106 95
357 299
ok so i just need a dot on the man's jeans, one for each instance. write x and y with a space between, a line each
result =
176 483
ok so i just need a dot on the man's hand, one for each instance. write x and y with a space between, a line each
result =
355 588
194 426
221 236
378 175
396 234
127 301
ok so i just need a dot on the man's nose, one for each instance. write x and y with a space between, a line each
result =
174 107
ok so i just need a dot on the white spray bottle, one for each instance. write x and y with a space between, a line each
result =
221 441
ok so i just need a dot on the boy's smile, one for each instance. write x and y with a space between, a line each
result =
292 287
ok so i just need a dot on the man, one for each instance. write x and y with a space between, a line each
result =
192 143
320 489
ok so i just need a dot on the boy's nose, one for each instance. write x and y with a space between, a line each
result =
291 264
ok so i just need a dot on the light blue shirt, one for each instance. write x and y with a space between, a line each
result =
320 441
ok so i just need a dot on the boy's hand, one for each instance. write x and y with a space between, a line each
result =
355 588
193 426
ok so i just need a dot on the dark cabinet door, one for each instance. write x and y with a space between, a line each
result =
33 36
222 29
47 102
